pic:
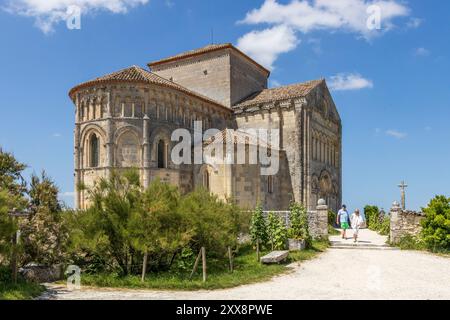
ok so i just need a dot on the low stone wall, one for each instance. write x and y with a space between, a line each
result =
42 274
404 223
317 220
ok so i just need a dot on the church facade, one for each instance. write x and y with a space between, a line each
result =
126 119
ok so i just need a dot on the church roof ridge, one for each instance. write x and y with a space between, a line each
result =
138 74
289 91
203 50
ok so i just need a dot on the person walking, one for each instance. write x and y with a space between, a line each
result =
356 222
342 220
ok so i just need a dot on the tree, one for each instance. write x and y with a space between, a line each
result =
11 174
157 227
44 232
436 225
258 227
12 189
101 234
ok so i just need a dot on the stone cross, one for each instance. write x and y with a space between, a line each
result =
403 187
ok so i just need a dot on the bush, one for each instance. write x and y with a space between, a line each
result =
372 217
332 217
436 225
214 224
276 231
408 242
385 227
299 227
258 227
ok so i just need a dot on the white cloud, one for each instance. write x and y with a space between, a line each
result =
265 46
349 81
48 13
57 135
414 23
421 52
304 16
396 134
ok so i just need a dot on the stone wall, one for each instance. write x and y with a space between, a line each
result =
318 221
404 223
223 75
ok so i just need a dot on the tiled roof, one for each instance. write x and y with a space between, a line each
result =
281 93
138 75
206 49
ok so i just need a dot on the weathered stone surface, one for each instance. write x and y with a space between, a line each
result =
296 245
130 112
404 223
318 221
275 257
42 274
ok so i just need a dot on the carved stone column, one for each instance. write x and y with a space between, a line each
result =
77 151
146 152
109 143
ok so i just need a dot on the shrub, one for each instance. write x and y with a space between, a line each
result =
436 225
372 217
299 228
332 217
214 223
276 231
385 227
409 242
258 227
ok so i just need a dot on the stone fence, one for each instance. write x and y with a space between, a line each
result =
317 220
404 223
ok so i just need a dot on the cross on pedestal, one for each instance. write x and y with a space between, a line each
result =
403 187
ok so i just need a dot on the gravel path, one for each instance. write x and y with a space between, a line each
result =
337 274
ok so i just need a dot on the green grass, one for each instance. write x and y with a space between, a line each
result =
333 231
246 270
21 291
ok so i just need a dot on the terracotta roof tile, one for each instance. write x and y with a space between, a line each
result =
280 93
208 48
139 75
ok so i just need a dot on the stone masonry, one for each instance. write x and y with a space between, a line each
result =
404 223
125 120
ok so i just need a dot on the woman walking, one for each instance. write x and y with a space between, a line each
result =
356 222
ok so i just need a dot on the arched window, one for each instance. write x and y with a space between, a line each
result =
206 180
93 151
162 155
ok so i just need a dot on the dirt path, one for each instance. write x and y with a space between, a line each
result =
339 273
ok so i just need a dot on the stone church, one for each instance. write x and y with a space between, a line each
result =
125 120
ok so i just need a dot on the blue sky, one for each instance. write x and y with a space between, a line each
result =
391 86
